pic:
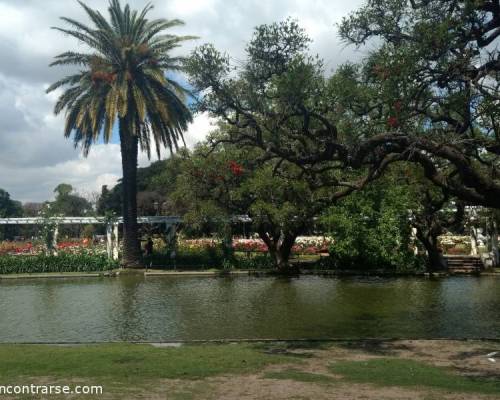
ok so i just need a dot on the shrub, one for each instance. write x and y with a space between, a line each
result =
207 257
196 258
64 262
370 231
258 261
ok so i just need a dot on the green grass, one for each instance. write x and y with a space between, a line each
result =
130 362
409 373
300 376
130 370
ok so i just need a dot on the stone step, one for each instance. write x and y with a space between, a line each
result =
463 263
462 258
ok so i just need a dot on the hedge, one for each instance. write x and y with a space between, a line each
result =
10 264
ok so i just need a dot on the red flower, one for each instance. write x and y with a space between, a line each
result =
64 245
235 168
392 122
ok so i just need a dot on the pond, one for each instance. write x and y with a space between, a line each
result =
186 308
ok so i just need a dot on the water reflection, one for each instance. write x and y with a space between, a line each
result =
157 309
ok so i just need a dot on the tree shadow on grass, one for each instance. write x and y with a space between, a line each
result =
300 349
375 347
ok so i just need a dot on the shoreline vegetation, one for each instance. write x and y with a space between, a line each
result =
213 272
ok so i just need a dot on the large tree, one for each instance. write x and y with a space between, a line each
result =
428 93
282 101
435 79
232 180
122 79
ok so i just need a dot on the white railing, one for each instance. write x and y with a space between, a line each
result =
87 220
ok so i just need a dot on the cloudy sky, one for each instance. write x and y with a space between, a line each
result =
35 157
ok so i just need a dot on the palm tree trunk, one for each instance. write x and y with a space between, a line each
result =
131 257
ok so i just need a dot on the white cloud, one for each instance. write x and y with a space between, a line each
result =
198 130
186 9
35 157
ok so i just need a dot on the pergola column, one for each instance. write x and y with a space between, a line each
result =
171 239
115 242
55 233
109 240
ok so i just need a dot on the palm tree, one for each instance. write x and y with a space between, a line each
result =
122 79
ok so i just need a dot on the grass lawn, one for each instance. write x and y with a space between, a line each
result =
121 366
132 362
413 374
274 371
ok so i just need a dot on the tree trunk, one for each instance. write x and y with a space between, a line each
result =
494 243
473 241
131 257
435 260
280 249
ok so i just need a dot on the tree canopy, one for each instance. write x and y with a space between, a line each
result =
68 203
435 80
232 180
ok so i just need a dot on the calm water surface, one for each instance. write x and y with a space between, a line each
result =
184 308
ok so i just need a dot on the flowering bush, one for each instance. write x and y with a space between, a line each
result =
82 248
250 245
303 245
198 244
68 247
236 169
312 244
19 248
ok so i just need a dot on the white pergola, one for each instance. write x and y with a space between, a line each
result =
111 226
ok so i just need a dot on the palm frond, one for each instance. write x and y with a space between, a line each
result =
124 79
